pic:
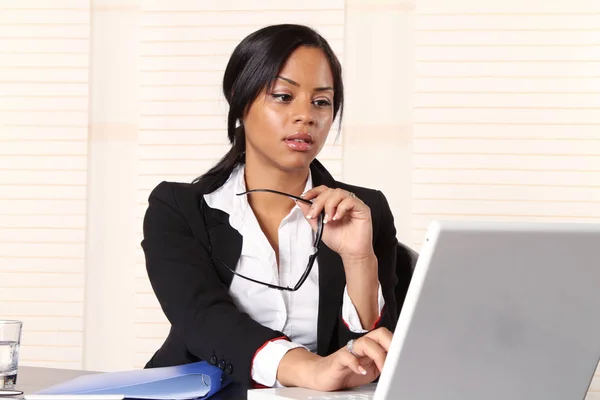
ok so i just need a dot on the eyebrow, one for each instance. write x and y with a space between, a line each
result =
318 89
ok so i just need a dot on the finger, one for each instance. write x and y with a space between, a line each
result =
306 210
373 350
332 202
347 359
382 336
342 209
370 348
314 192
318 203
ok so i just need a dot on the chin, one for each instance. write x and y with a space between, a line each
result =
294 164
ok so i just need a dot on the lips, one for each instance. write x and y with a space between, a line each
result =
300 137
300 141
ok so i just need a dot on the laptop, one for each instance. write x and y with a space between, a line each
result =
495 311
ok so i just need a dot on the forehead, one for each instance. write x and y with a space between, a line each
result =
308 66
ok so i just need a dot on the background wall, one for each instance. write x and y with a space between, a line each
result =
506 111
44 104
478 110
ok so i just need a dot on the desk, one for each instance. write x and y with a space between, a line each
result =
33 379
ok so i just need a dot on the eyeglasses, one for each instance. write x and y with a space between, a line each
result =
311 258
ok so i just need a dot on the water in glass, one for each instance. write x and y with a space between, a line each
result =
9 358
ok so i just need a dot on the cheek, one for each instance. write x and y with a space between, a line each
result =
264 123
274 117
269 122
325 120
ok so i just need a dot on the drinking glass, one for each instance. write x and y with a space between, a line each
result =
10 340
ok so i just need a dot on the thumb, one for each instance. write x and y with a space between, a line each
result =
305 210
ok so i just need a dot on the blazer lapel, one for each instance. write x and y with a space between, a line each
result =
332 278
226 242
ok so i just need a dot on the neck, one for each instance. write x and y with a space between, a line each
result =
261 176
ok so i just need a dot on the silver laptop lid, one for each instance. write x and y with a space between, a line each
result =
499 311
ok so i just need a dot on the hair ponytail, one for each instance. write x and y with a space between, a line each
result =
218 175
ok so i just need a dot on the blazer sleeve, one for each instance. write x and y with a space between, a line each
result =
195 301
394 272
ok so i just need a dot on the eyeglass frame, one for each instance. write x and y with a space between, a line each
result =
311 259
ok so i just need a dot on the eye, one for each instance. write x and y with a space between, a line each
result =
322 103
283 97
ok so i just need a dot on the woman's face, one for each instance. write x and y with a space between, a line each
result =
288 126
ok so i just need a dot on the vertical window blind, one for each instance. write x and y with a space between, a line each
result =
44 59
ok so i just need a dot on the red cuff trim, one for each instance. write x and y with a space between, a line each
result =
258 385
345 323
378 319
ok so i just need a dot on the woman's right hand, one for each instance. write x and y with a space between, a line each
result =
340 370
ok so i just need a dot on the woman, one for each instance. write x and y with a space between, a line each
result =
227 255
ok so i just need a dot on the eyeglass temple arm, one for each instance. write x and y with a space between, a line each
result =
307 271
276 192
253 280
290 196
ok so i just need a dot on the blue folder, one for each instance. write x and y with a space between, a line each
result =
198 380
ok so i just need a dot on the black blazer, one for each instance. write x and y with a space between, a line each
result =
193 292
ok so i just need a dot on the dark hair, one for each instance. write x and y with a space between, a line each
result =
254 66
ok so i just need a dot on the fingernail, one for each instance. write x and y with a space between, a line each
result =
309 216
326 218
335 217
362 370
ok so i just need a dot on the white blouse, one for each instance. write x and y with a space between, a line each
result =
293 313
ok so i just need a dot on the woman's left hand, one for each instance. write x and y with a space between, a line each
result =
348 229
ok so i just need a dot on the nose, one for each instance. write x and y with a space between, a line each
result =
303 112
